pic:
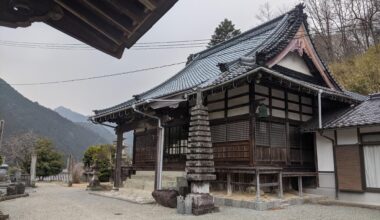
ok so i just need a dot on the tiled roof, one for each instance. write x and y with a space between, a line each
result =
367 113
239 54
203 65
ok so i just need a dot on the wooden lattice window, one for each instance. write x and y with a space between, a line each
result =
175 144
294 137
262 133
238 131
218 133
145 147
295 143
277 135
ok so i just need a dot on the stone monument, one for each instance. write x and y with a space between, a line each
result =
94 183
200 160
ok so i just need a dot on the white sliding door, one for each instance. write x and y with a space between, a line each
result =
372 165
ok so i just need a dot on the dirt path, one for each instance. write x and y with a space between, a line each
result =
51 201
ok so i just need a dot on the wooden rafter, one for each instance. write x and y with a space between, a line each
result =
99 11
132 15
86 20
148 4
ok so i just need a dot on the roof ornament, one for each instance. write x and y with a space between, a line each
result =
299 47
223 67
137 97
260 58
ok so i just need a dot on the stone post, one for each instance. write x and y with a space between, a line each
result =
33 165
70 171
200 159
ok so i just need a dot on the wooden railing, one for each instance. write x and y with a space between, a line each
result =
231 151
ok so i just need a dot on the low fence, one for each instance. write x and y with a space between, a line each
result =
24 178
62 177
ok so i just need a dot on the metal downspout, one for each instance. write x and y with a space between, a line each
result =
158 184
320 108
320 130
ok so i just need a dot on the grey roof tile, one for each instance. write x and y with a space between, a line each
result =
366 113
239 53
204 64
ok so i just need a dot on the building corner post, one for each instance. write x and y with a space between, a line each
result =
119 147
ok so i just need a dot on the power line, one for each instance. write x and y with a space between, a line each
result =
65 47
96 77
118 74
178 44
145 69
128 72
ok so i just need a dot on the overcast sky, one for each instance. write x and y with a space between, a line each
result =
187 20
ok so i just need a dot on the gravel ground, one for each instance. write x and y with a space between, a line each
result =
52 201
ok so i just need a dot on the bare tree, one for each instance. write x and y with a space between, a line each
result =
17 150
322 18
344 28
265 12
366 17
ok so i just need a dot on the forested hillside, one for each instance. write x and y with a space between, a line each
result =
22 115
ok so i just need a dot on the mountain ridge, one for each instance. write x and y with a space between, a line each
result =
82 120
22 115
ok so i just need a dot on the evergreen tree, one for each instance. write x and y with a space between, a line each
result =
225 30
103 157
49 162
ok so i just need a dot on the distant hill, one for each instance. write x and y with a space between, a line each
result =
103 131
70 114
22 115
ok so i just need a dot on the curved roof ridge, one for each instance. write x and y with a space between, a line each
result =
245 35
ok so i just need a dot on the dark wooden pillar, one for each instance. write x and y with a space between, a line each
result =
119 148
300 190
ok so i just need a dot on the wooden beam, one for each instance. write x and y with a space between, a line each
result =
133 16
99 11
87 21
148 4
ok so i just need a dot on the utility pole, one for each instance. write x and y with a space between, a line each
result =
1 131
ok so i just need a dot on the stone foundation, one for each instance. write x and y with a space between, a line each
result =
202 203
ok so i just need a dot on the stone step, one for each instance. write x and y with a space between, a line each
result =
284 205
147 184
144 180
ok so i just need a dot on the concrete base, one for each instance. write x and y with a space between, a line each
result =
365 197
267 205
202 203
